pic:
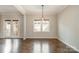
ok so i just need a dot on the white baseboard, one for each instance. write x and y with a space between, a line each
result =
42 37
69 45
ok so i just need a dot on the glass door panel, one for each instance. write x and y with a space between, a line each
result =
7 28
15 28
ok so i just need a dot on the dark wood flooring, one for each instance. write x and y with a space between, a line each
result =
34 45
55 46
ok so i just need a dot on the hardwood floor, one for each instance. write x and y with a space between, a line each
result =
58 47
26 46
34 46
55 46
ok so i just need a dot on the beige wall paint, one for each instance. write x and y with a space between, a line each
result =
68 26
29 26
51 34
0 26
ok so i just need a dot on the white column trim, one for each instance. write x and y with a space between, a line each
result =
24 27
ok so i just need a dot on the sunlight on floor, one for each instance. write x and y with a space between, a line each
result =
45 47
7 46
11 45
36 46
40 47
15 45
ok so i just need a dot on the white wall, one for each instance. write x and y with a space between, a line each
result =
51 34
68 26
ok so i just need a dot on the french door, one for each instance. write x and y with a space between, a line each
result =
11 28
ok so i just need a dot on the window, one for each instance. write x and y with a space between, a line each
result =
41 25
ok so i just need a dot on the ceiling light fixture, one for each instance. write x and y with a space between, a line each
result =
42 12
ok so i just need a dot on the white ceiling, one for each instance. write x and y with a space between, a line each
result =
33 9
48 9
7 8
